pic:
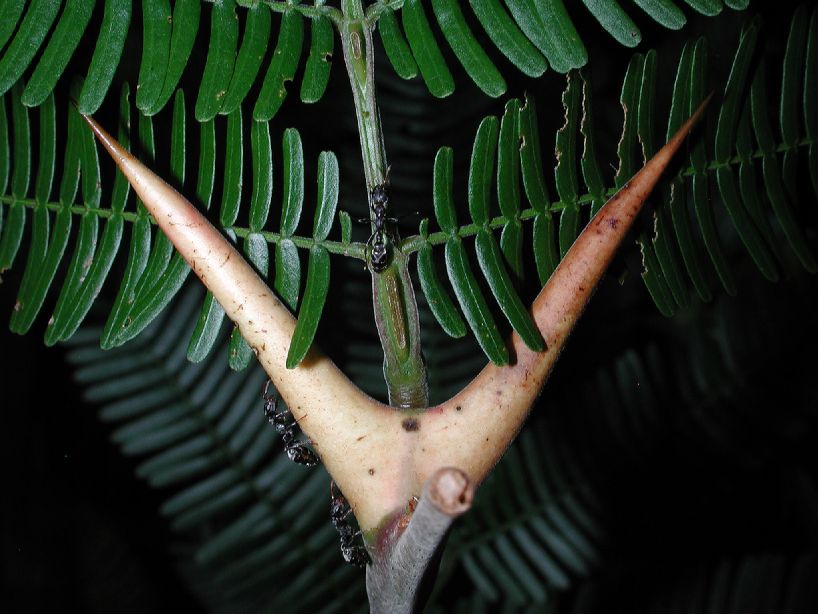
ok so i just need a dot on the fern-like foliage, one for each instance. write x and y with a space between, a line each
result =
685 251
531 35
686 248
153 272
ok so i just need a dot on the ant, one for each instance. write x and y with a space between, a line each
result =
297 451
339 510
378 201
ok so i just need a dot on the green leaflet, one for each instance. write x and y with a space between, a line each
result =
30 35
293 200
21 170
508 187
481 170
186 14
655 282
221 57
346 226
706 7
547 25
207 164
471 55
626 149
508 38
47 151
312 305
156 34
615 21
11 10
491 263
472 303
41 267
440 303
733 91
287 273
427 54
262 157
282 66
319 62
58 52
565 174
395 45
327 195
591 170
233 164
206 331
443 198
645 118
5 157
792 77
536 190
21 127
663 11
107 53
251 53
546 256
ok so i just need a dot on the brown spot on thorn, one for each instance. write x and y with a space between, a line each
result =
410 425
371 471
359 439
459 407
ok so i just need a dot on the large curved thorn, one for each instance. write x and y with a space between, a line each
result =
473 429
347 428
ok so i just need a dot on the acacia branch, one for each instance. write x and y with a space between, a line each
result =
379 456
395 579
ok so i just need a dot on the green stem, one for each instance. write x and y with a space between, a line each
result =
396 313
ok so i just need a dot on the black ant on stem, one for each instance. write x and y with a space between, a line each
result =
297 451
378 202
339 511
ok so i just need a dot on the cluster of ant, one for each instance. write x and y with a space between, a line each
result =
298 452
